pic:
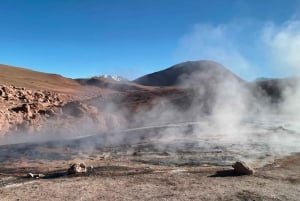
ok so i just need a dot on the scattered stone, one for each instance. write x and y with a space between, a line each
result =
241 167
77 168
31 175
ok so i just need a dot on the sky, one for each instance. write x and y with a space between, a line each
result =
84 38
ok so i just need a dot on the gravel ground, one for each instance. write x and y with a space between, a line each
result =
115 180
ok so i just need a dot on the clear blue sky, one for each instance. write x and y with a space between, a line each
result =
81 38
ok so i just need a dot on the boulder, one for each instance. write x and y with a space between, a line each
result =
241 167
77 168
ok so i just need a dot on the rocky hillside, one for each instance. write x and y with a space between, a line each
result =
29 111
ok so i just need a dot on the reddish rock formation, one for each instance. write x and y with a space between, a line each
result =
22 109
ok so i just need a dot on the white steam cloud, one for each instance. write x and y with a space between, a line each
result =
217 43
283 44
283 48
276 45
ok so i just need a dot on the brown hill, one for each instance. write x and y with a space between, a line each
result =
22 77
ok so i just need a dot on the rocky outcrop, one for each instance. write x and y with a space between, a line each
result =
28 111
23 109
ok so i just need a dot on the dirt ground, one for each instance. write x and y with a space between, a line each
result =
121 179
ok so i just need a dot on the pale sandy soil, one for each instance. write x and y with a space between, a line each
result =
119 179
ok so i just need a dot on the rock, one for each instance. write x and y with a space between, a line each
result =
31 175
242 168
7 89
75 109
50 112
77 168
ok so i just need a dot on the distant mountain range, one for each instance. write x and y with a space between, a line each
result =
190 74
111 82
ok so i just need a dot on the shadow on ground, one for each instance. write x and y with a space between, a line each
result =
226 173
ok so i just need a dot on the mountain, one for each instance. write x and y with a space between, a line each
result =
110 82
190 72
